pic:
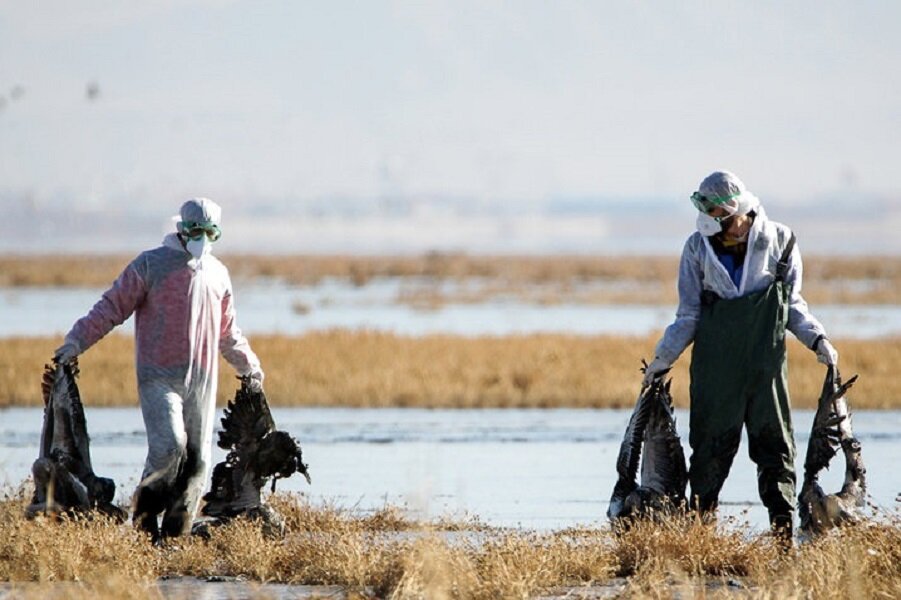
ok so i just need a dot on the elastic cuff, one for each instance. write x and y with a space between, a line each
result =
822 336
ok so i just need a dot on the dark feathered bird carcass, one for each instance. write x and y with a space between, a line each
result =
831 430
257 452
64 479
652 442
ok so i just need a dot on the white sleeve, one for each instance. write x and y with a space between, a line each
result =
232 343
681 332
801 322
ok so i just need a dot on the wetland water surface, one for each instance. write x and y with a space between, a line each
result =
543 469
290 310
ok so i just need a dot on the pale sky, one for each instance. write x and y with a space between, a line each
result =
499 101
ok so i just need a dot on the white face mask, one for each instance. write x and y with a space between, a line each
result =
708 225
200 247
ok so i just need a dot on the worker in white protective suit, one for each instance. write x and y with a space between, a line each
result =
184 312
739 291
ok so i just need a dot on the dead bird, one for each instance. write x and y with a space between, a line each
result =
831 430
257 451
64 479
651 440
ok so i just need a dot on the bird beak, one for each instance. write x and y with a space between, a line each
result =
302 468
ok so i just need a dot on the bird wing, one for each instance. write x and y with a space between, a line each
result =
246 422
237 480
663 459
831 429
630 449
855 484
65 428
825 434
79 424
47 383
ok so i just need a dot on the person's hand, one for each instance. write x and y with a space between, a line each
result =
256 381
826 354
657 366
65 353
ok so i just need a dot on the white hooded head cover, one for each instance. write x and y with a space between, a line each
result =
723 184
200 210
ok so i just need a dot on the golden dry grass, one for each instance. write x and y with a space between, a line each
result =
540 279
401 559
383 553
100 270
856 562
367 369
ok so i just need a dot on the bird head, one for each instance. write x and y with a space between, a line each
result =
280 457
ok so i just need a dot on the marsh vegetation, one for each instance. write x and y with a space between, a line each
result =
369 369
387 555
538 279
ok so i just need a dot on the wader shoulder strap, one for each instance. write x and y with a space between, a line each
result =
782 265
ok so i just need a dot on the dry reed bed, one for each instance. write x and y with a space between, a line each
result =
99 270
840 280
367 369
396 558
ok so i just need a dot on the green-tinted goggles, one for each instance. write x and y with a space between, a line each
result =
195 231
705 204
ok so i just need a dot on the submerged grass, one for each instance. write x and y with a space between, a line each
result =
540 279
405 559
368 369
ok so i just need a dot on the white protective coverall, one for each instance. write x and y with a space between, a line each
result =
184 311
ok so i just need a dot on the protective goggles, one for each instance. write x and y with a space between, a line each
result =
706 204
194 231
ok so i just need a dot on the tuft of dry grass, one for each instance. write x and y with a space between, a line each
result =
692 546
400 559
382 552
857 562
84 548
684 553
539 279
369 369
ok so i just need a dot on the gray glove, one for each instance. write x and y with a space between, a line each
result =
66 353
256 381
657 366
826 354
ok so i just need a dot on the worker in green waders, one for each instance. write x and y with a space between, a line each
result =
739 290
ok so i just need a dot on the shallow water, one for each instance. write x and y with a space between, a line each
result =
542 469
188 588
266 308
